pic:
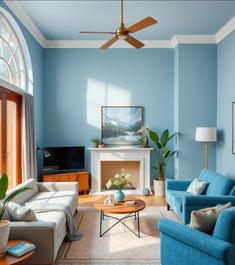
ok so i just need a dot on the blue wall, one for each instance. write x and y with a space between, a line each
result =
226 95
36 53
79 81
195 90
176 87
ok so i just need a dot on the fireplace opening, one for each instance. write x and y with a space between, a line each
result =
110 168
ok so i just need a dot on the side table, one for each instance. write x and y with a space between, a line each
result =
10 260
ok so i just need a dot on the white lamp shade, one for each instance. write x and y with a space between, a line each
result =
206 134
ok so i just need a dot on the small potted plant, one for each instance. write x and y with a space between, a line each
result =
5 199
100 145
95 141
163 154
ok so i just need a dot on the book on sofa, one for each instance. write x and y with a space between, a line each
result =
20 249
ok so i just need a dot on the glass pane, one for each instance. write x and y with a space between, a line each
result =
11 142
5 73
7 53
17 78
1 47
13 65
5 29
1 162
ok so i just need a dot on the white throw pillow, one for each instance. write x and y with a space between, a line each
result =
205 219
197 187
20 213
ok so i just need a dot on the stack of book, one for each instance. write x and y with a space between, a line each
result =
131 202
20 249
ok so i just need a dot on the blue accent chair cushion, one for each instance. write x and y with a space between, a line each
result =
218 184
232 192
220 190
182 245
225 226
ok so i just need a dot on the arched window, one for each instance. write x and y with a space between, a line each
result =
12 64
16 78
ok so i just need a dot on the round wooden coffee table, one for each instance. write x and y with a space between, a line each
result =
120 208
10 260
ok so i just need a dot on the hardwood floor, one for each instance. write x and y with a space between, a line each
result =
152 200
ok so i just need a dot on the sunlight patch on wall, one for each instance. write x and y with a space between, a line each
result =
100 94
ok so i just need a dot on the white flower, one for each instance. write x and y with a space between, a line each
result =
118 181
109 184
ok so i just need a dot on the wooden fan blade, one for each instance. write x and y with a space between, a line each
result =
97 32
134 42
146 22
109 43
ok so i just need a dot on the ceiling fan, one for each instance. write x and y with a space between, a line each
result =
124 33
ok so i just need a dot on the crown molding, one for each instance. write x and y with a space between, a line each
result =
192 39
98 43
149 44
172 43
16 8
225 30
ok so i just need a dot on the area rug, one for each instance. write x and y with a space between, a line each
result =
119 246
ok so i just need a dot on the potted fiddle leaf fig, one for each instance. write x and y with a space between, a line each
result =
4 200
163 154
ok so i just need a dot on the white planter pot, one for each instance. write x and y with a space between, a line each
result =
4 232
159 187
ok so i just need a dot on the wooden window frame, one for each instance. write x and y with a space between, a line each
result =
13 96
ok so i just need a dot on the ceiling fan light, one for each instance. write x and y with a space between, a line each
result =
122 37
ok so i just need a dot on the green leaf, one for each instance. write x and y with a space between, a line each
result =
15 193
166 153
159 146
153 136
173 135
3 186
164 137
172 153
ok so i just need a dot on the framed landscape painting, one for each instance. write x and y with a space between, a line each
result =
120 124
233 128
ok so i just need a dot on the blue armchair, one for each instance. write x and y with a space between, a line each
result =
182 245
220 190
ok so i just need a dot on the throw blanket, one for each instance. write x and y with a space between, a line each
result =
73 235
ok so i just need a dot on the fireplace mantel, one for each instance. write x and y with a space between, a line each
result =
122 153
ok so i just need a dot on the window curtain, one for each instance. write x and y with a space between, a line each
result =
28 139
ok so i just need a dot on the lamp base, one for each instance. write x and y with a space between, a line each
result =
205 154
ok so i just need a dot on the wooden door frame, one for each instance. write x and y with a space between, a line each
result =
13 96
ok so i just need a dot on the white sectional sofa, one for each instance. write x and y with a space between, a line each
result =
49 231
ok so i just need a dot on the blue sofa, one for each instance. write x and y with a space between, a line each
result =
220 190
182 245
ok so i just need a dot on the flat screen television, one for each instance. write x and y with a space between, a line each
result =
66 159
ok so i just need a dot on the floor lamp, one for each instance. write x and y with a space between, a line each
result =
205 134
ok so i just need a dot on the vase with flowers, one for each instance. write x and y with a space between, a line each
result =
119 182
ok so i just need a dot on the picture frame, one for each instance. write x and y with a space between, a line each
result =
120 124
233 127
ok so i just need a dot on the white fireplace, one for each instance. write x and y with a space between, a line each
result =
106 162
